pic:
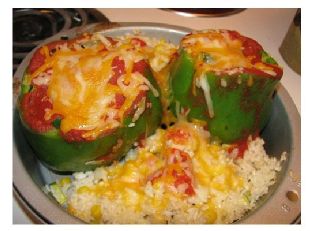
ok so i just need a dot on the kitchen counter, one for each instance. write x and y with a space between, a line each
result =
267 26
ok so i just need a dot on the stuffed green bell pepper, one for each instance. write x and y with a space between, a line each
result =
225 80
84 102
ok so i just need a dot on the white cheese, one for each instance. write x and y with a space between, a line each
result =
206 89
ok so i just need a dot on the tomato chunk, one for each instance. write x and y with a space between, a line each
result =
241 146
111 40
140 67
74 135
177 172
33 106
252 48
118 67
178 136
119 100
39 57
135 103
138 42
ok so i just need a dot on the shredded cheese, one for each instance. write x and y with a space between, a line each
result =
226 53
79 87
203 82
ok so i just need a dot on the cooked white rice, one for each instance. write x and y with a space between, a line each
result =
225 188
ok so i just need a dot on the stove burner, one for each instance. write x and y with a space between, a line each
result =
32 26
205 12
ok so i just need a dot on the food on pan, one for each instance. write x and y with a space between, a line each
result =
179 176
89 101
86 101
225 79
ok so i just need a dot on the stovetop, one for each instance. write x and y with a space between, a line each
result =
32 26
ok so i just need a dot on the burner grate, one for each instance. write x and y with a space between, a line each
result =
32 26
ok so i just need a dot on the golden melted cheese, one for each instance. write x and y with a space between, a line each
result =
79 87
225 53
78 80
213 171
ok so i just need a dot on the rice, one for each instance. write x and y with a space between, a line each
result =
137 190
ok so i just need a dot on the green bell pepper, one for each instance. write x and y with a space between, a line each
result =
240 103
62 156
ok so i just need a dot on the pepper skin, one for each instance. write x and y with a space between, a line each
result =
241 101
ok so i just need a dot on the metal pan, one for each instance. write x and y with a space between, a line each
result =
282 204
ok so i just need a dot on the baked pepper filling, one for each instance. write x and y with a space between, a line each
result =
228 52
90 84
226 80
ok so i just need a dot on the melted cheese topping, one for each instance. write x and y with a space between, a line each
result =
78 80
224 53
80 91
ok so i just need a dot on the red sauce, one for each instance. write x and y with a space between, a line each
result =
138 42
183 178
252 48
33 106
118 67
135 103
36 61
39 57
111 40
74 135
178 136
178 168
241 146
140 67
36 102
119 100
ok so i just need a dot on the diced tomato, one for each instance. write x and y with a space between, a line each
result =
138 42
39 57
155 175
252 48
177 156
234 35
118 67
183 178
33 107
119 100
76 40
36 61
140 67
135 103
74 135
242 146
183 160
111 40
178 136
178 169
